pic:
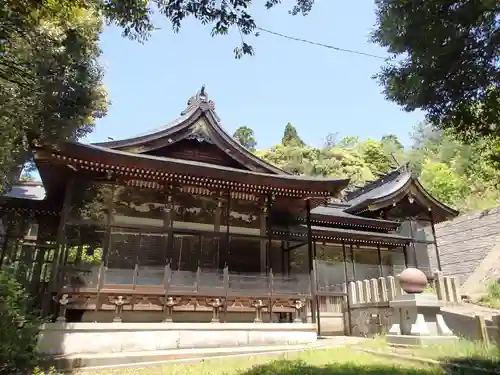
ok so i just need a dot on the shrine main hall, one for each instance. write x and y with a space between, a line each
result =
185 225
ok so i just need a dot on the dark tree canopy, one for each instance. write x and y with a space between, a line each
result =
446 61
246 137
291 137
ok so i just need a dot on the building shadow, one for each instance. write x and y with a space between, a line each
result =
294 367
471 365
291 367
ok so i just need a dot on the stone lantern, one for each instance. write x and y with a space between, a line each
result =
418 319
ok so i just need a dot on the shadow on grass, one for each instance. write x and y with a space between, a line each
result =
298 367
286 367
490 365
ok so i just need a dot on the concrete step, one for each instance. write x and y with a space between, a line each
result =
148 358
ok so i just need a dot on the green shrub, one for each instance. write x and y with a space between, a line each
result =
492 298
19 327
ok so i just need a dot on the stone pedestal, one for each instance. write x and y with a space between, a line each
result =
418 321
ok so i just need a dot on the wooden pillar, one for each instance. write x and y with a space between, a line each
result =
380 267
216 242
351 251
110 203
263 242
60 242
168 227
37 270
413 246
228 234
269 262
282 247
311 260
438 256
315 273
348 331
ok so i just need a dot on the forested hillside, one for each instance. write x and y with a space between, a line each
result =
462 176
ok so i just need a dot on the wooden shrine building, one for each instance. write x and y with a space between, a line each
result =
184 223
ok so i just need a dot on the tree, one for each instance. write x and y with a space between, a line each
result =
374 155
445 61
442 182
392 141
349 142
50 80
331 140
245 136
291 137
460 174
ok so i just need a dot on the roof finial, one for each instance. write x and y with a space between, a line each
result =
200 100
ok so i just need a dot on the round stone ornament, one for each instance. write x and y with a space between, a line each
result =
413 281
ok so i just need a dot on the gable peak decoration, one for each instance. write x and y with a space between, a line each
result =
200 100
200 133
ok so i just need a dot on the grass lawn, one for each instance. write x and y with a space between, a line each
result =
460 352
337 361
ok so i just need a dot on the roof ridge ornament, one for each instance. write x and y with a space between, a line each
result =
200 100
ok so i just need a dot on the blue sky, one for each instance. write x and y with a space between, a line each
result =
318 90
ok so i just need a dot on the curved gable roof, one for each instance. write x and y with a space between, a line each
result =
198 121
393 187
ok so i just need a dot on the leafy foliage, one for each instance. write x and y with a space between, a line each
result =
19 333
50 80
136 16
464 176
445 61
245 136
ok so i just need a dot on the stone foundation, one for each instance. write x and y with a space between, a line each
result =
88 338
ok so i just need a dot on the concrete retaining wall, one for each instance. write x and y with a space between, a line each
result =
88 338
465 241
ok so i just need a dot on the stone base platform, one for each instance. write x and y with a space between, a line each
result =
107 338
158 357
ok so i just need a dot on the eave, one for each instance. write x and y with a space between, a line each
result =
347 235
331 216
23 206
78 156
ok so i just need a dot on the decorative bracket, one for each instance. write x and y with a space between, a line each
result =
298 305
119 302
216 305
169 303
63 301
258 305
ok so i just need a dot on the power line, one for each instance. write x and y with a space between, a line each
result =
320 44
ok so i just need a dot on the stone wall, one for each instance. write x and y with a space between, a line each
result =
465 242
370 320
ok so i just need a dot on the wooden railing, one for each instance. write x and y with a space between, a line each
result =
96 288
164 280
385 289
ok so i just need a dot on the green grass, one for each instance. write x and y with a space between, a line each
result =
464 352
492 298
338 361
